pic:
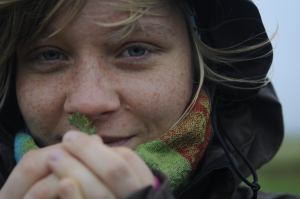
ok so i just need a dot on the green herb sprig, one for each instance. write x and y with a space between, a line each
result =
82 123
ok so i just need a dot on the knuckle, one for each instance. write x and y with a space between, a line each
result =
81 140
117 171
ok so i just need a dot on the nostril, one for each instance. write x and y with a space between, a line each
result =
104 116
95 106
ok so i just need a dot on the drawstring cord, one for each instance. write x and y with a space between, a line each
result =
255 186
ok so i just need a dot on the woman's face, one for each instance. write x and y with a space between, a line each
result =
133 90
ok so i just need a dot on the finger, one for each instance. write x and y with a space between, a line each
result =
69 189
114 171
28 171
141 170
44 189
65 166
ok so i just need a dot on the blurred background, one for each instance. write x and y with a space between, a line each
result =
282 174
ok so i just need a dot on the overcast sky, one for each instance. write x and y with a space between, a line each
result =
286 57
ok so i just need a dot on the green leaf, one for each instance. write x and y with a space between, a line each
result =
82 123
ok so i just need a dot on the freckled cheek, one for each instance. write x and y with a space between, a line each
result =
39 101
160 99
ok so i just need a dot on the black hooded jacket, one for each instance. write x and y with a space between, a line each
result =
253 118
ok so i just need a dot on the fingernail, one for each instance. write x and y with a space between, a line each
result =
95 137
55 155
67 190
71 135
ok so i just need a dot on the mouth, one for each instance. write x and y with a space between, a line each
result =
114 142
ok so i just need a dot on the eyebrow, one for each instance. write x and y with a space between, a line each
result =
157 29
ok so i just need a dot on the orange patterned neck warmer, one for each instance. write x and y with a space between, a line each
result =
178 152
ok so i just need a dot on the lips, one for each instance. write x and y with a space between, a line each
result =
114 142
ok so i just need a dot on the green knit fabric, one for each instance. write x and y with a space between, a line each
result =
159 156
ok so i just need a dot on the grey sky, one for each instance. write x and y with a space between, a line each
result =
286 56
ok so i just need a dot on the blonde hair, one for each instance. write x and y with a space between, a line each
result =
22 21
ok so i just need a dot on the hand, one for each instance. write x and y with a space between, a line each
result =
52 188
98 170
32 178
118 172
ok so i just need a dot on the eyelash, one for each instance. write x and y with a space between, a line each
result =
37 56
146 49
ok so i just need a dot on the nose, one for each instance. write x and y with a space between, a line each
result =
91 94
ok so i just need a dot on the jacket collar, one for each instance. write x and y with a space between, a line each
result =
216 180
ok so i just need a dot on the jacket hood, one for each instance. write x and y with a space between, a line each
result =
252 117
234 24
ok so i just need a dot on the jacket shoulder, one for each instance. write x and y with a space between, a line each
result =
243 192
7 160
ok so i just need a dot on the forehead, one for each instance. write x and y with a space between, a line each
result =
100 13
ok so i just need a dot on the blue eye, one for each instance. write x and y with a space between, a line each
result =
50 55
135 51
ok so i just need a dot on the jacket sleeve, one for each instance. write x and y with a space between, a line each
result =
244 192
164 192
